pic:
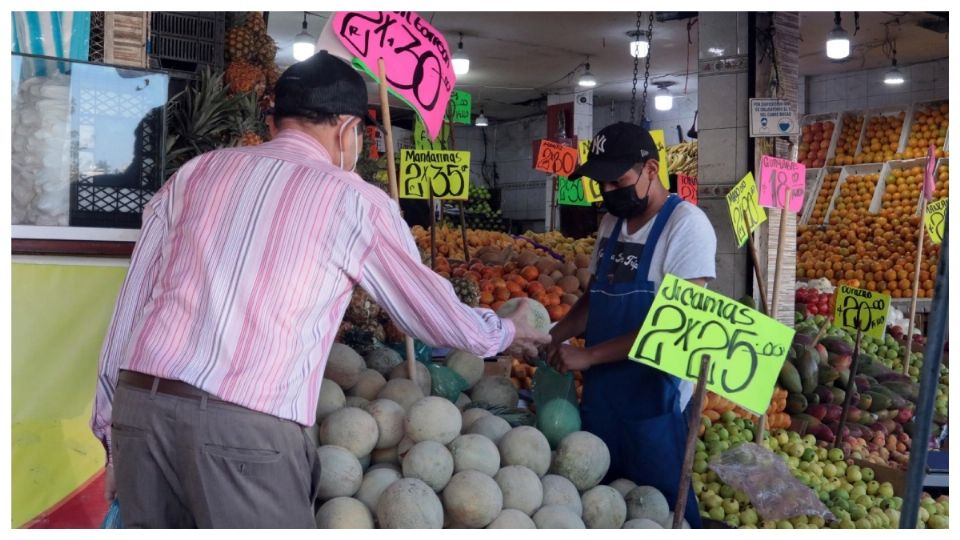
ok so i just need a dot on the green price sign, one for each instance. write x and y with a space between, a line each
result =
746 348
461 102
422 141
570 192
861 310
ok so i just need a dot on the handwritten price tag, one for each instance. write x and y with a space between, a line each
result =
445 172
462 105
936 219
779 176
658 138
746 348
591 189
415 56
688 188
570 192
861 310
743 197
422 141
554 158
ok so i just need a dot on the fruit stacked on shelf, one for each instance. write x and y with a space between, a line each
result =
811 302
823 198
881 138
251 65
814 143
929 125
943 182
715 406
683 158
479 213
850 130
522 373
450 241
568 247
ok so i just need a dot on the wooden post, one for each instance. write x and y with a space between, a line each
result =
756 265
692 429
774 302
916 286
553 202
394 192
433 231
463 231
761 428
849 391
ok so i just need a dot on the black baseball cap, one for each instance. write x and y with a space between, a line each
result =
322 83
614 150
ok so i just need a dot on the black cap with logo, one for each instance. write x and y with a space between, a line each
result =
614 150
322 83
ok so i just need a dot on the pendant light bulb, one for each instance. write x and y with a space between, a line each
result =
663 100
461 62
838 40
893 76
640 46
304 44
481 120
587 80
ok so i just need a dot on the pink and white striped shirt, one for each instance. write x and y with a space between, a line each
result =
245 266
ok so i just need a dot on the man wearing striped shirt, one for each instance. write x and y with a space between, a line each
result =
212 364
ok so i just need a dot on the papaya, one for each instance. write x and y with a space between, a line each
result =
808 370
862 382
839 361
796 403
907 390
866 399
827 374
878 401
817 411
803 339
844 377
824 394
790 378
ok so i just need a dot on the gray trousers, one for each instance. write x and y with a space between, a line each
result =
190 462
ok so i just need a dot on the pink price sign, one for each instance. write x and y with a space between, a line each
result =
415 55
777 178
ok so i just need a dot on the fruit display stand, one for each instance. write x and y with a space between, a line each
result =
818 139
883 132
851 130
822 196
813 181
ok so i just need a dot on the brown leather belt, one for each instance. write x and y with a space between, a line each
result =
164 386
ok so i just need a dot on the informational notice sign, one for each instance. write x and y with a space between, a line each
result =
570 192
591 189
745 211
688 188
779 177
664 173
445 172
416 57
555 158
861 310
462 104
773 118
936 219
746 348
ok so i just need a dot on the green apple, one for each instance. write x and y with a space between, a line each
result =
873 487
868 474
809 440
748 517
853 474
731 506
938 522
885 489
727 491
829 471
784 524
857 512
835 454
717 513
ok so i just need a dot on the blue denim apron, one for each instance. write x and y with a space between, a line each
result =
634 408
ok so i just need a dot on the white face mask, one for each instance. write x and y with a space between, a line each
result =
356 146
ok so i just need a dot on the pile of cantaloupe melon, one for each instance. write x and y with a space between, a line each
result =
392 456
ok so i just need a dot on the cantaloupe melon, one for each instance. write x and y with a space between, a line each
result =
471 415
582 260
642 523
512 519
403 391
357 401
422 375
344 366
537 315
384 456
431 462
583 276
491 427
603 508
668 523
623 485
569 283
433 419
558 491
495 390
467 365
383 360
408 503
557 517
389 416
521 488
344 513
331 399
368 385
404 446
340 472
473 499
647 502
375 482
462 401
557 419
582 458
526 446
391 466
546 281
351 428
475 452
364 462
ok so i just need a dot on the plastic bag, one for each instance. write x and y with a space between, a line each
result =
421 351
764 477
112 519
555 396
445 382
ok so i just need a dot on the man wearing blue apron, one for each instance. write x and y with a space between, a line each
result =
646 234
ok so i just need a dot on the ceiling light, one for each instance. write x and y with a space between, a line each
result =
640 45
893 76
461 62
715 51
663 99
481 120
838 40
304 45
587 80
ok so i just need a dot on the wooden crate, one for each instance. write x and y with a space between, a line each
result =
500 366
125 38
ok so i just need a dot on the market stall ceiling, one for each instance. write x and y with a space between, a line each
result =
517 58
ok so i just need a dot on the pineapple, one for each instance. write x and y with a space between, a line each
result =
250 138
243 77
467 291
266 50
362 309
255 23
241 44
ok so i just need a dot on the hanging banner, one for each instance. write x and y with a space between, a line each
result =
861 310
743 197
462 105
688 188
591 189
422 141
555 158
415 55
936 220
746 348
570 192
446 172
777 177
664 173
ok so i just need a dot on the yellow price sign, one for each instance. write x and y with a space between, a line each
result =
744 198
746 348
936 220
861 310
444 172
658 138
591 188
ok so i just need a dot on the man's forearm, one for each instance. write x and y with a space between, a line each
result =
575 323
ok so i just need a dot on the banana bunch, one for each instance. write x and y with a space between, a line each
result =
682 158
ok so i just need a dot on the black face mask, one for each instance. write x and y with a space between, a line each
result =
624 202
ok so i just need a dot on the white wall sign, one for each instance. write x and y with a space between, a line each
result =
772 118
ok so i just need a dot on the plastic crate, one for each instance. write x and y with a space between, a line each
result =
851 170
834 137
186 41
814 179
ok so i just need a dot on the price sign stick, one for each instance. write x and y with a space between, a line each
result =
849 391
553 201
774 304
433 231
756 264
761 429
916 285
693 424
394 192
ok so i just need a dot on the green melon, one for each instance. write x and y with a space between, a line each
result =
557 419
